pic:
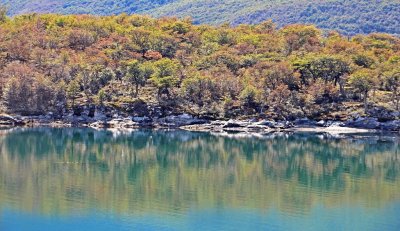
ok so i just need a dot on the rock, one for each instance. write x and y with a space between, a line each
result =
143 119
382 114
184 117
253 120
115 123
178 121
277 125
283 125
391 125
99 124
304 122
268 123
235 124
336 124
98 115
6 120
218 123
321 123
367 123
256 127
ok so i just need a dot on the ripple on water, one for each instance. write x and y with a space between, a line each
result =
196 181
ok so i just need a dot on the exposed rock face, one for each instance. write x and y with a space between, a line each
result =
137 122
235 124
178 121
382 114
6 120
104 117
374 123
115 123
391 125
369 123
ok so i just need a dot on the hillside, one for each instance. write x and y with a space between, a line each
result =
141 66
347 16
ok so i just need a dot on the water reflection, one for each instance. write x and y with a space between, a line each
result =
74 171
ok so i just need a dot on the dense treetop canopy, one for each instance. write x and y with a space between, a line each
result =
347 16
56 62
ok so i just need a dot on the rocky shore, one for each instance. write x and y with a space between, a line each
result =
188 122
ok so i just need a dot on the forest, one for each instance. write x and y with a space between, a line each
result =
58 63
349 17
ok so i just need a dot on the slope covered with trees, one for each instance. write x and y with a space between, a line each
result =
347 16
54 63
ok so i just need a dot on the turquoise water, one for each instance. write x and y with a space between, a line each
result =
82 179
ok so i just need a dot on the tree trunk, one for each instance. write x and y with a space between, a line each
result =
396 98
366 101
136 90
342 90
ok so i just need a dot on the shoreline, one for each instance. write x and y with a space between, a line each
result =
190 123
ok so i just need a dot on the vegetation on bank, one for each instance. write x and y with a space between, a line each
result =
54 63
350 17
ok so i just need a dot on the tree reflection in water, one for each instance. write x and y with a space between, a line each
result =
60 171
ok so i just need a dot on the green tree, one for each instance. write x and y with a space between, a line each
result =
165 75
73 91
102 95
3 13
327 68
363 81
249 96
137 74
392 81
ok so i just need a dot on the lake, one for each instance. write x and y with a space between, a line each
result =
83 179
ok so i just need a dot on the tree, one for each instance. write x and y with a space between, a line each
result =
392 81
72 91
363 60
137 74
327 68
280 101
250 96
3 13
165 75
80 39
199 89
102 96
363 81
301 37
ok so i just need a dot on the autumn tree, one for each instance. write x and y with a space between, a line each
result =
279 100
301 37
80 39
200 88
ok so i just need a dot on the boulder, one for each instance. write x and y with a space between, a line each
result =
268 123
235 124
304 122
179 120
6 120
218 123
367 123
391 125
143 119
336 124
321 123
